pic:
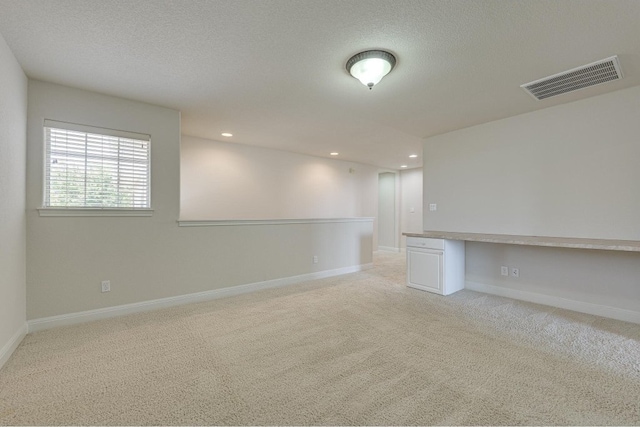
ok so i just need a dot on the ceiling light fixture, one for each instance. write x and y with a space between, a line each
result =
413 156
227 134
403 166
371 66
334 154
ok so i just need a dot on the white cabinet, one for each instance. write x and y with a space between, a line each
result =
435 265
424 269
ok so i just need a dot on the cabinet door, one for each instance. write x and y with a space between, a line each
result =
424 270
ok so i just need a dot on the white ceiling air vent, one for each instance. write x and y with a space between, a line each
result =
592 74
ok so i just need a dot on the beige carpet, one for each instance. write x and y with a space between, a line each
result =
356 349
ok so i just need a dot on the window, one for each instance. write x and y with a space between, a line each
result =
95 168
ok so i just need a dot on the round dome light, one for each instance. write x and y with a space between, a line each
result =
371 66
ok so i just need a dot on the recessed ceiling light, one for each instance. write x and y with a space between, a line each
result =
403 166
227 134
413 156
334 154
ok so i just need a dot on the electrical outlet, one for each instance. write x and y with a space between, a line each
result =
433 207
106 286
515 272
504 271
315 259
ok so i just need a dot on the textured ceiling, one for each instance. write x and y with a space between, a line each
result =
272 71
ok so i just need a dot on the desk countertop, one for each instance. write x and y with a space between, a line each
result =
557 242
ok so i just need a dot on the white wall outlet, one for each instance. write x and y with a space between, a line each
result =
412 210
515 272
106 286
504 271
433 207
315 259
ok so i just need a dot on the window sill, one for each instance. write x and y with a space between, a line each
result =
93 212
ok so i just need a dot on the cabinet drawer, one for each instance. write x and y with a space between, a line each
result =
425 242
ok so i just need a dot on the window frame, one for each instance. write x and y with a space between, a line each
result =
88 210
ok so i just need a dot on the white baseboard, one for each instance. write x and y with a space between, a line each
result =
120 310
388 249
568 304
7 350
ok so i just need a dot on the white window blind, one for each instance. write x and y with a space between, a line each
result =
89 167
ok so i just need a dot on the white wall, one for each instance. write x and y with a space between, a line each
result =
152 257
570 170
222 180
410 202
13 120
598 278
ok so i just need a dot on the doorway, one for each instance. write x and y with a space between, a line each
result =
387 214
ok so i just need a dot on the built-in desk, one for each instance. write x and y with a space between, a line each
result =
427 269
556 242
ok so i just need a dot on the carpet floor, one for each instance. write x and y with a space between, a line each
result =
358 349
